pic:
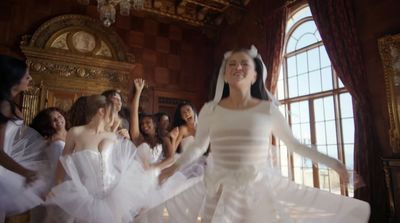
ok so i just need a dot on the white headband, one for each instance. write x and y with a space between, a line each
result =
253 53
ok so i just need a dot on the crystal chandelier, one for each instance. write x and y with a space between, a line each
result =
106 8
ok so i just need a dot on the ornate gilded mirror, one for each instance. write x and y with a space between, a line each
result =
389 47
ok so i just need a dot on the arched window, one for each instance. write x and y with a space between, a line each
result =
319 105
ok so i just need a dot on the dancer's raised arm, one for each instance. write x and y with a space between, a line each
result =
134 129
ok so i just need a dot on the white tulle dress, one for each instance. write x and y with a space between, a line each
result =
194 169
174 185
27 147
51 213
103 187
241 186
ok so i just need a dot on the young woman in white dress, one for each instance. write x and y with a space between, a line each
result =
156 152
241 185
104 182
23 162
51 124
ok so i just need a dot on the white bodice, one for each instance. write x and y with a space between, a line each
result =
186 142
151 155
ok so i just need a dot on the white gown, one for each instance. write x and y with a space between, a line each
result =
173 186
241 185
50 213
103 187
27 147
194 169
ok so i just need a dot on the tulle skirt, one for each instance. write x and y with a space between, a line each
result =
27 147
232 196
130 190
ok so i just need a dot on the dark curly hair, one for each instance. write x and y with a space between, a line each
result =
42 122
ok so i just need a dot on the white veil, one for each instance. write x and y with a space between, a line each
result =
253 53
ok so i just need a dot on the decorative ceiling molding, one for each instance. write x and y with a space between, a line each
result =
197 12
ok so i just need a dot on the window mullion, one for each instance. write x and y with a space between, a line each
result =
313 136
339 134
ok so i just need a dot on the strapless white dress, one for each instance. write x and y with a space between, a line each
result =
27 147
103 187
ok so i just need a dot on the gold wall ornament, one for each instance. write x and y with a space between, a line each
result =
72 56
389 48
30 103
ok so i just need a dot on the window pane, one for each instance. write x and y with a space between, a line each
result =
324 57
303 84
319 113
293 92
291 66
329 108
333 151
324 183
326 76
305 133
313 59
304 112
306 40
346 105
301 60
315 81
305 12
330 132
295 113
348 130
320 134
308 176
348 155
281 90
291 45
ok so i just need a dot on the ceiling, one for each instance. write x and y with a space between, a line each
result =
210 13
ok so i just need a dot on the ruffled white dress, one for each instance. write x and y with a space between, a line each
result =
241 186
50 213
194 169
173 186
27 147
103 187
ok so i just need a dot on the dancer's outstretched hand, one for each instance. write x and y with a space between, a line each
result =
30 177
139 84
166 173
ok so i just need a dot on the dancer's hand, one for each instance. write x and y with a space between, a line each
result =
30 177
139 84
166 173
124 133
174 133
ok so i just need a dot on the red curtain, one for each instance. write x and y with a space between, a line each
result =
275 39
336 23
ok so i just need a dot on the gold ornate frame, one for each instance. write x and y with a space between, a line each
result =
70 56
389 48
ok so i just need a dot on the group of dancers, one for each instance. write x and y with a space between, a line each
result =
95 165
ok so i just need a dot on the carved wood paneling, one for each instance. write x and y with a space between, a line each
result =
71 56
